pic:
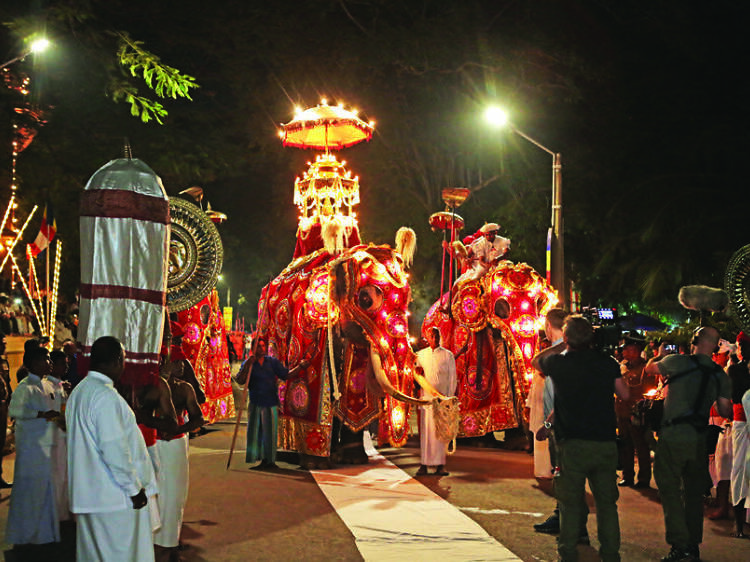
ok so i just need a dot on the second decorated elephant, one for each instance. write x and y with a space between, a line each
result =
492 329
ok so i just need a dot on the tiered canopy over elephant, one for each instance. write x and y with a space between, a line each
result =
340 305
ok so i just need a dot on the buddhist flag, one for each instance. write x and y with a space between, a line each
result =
46 233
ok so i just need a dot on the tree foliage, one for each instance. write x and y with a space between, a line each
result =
163 80
634 95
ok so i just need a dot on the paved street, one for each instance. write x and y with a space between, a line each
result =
241 514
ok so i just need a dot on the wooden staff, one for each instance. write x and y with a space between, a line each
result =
247 382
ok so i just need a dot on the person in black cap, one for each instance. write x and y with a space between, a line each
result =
28 345
633 437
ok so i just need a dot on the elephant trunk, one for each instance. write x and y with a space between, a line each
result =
388 388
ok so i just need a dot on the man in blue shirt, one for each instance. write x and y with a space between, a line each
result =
263 414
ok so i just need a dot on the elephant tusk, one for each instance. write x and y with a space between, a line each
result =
421 381
386 385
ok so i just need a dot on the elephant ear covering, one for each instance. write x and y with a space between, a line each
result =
406 244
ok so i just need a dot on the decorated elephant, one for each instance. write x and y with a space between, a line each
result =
492 328
346 314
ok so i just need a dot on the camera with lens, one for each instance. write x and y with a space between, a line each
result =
607 332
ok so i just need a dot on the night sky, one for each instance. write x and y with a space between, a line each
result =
645 100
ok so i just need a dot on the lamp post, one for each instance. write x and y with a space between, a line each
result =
36 47
555 235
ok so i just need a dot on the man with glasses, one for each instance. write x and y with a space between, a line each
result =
692 384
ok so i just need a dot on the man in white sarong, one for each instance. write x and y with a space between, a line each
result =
439 368
739 376
740 513
535 404
720 466
53 386
541 397
172 448
32 516
110 473
484 252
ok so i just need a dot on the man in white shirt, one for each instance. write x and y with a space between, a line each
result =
110 473
541 397
54 387
484 252
439 368
32 516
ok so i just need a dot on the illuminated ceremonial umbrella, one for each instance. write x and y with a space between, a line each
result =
326 127
448 220
217 217
327 193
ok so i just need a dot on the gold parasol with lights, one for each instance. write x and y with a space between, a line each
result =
326 127
327 193
449 221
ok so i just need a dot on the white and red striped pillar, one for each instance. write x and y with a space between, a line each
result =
124 249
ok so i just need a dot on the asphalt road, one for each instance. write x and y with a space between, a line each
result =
241 514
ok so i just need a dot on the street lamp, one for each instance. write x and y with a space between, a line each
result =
555 247
36 46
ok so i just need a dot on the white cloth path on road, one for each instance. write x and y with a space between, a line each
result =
394 517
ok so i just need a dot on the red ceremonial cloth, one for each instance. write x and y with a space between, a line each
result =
308 241
739 412
485 407
204 342
494 374
238 342
149 434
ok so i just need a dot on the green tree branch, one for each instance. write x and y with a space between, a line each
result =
165 81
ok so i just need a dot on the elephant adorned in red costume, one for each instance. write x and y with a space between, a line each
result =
345 314
492 328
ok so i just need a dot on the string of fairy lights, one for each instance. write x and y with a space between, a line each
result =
43 302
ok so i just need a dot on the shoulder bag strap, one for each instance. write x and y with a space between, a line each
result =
704 383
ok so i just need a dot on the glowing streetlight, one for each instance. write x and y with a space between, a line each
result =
37 46
497 117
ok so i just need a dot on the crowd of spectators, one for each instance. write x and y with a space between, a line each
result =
699 441
584 401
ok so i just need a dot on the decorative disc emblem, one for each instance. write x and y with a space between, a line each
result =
196 255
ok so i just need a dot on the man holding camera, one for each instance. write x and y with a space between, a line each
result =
693 383
585 382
